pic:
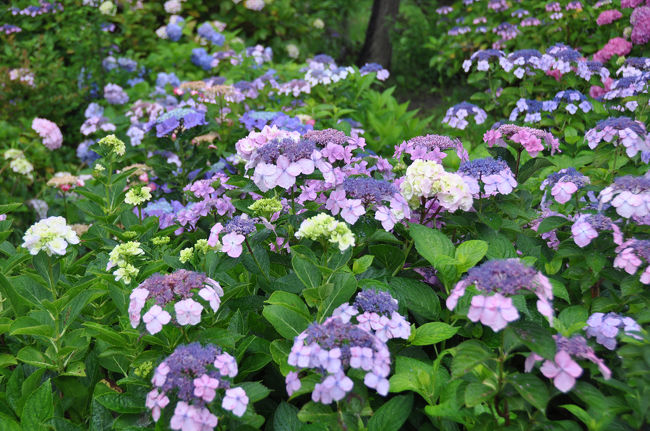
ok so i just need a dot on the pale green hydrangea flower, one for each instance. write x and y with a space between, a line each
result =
324 226
137 195
115 144
186 254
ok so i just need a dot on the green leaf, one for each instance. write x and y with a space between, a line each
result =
531 167
431 243
432 333
469 253
255 391
38 408
317 413
31 356
7 208
418 297
29 326
285 418
476 393
344 287
534 336
289 317
362 264
574 318
392 415
531 388
551 223
306 271
468 355
121 403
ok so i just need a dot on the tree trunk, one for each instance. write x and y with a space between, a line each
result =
377 47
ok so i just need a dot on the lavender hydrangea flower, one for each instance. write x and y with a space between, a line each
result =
201 58
532 108
494 175
563 184
163 209
573 100
563 369
382 74
170 121
621 131
631 256
375 312
332 348
208 32
115 95
194 373
586 228
503 279
431 147
455 116
629 195
235 232
606 327
175 291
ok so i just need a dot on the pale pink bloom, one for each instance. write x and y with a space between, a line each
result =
155 402
138 298
562 191
204 387
236 401
49 131
226 364
583 233
531 360
213 239
185 417
563 371
155 318
493 137
232 244
293 382
188 312
160 374
627 261
351 210
330 359
493 311
210 295
361 357
380 384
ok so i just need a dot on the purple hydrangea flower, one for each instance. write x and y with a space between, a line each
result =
632 254
170 121
605 327
495 176
455 116
431 147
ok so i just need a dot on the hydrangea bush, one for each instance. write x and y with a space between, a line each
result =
222 238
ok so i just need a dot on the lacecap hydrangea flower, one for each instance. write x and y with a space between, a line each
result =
587 226
52 235
181 292
629 195
431 147
497 281
457 114
563 184
197 376
494 176
527 137
324 226
607 326
563 369
235 233
375 312
623 131
330 349
631 256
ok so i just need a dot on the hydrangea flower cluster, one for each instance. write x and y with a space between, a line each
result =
375 312
640 21
259 119
607 326
587 226
323 70
121 257
235 233
178 289
527 137
615 46
629 195
211 197
503 279
356 195
95 120
330 349
382 74
532 108
608 16
115 95
563 184
49 132
456 115
208 32
51 235
621 131
194 373
426 179
171 120
324 227
563 369
19 163
631 255
483 59
572 100
494 176
430 147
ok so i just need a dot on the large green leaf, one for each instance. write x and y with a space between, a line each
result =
392 415
432 333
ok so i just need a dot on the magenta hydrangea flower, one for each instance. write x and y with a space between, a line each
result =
631 256
49 131
527 137
178 291
615 46
496 281
330 349
194 375
640 21
563 369
608 17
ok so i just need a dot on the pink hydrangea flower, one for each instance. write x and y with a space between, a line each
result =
293 382
562 191
155 318
204 387
530 142
49 131
493 311
156 401
188 312
138 298
563 370
226 364
236 401
583 233
232 244
608 17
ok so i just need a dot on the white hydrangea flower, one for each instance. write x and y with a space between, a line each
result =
51 235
